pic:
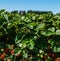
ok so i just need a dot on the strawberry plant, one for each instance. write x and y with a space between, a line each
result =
29 36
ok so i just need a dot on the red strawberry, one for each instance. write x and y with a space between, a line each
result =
58 59
2 56
12 52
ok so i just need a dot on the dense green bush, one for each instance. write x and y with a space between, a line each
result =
31 36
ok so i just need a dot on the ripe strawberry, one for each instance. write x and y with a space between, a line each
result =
2 56
58 59
12 52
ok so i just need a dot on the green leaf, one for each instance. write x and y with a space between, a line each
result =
6 17
25 54
22 18
31 44
51 42
57 32
17 51
40 26
30 26
56 49
47 33
18 38
52 29
33 17
24 44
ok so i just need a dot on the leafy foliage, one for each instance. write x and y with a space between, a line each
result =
31 36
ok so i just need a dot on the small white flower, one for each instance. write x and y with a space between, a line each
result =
2 49
20 44
40 51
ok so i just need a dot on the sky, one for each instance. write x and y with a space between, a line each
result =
36 5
